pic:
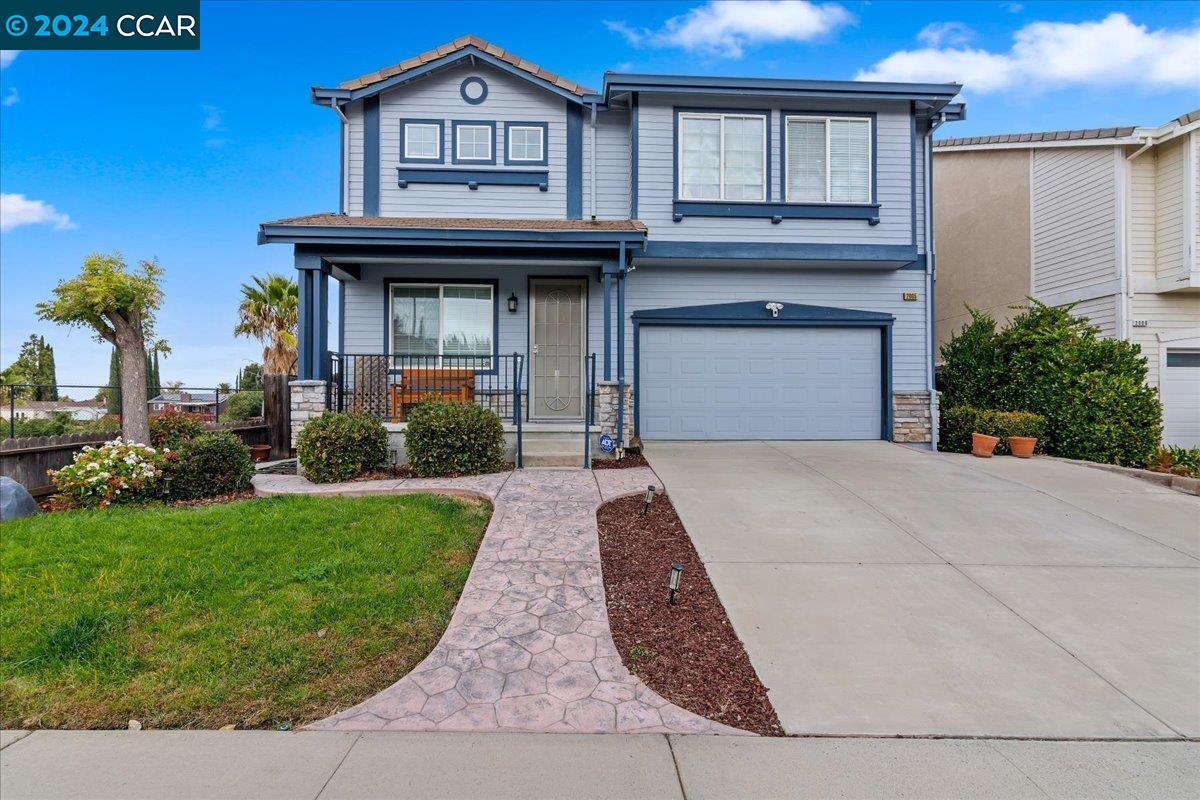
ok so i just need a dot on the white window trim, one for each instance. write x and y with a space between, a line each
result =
787 178
408 141
721 152
485 361
458 142
541 156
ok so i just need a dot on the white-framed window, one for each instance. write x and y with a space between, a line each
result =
452 324
474 142
422 140
828 159
526 143
722 157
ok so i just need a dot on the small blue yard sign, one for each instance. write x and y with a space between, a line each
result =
607 443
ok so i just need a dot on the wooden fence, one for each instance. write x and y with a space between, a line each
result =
27 460
277 412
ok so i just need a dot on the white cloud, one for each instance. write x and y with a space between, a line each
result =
727 27
213 118
12 98
1013 8
7 57
1109 52
936 34
17 210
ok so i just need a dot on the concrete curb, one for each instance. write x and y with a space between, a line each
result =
1179 483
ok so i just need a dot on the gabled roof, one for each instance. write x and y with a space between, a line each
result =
1128 134
461 49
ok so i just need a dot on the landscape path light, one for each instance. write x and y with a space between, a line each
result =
649 499
673 582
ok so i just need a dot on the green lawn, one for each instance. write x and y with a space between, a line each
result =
254 613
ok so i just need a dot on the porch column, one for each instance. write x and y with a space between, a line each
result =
312 334
621 348
610 268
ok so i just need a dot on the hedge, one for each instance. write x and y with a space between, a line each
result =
339 446
447 439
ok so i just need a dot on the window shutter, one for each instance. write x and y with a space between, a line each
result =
806 161
849 161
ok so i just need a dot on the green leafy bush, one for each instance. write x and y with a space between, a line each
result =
445 439
117 472
959 422
1091 391
57 425
337 447
173 428
210 464
243 405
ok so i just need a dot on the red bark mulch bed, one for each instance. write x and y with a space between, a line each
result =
687 652
628 462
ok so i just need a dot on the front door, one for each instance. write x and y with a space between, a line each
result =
556 337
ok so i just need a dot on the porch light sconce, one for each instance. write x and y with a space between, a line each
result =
649 499
512 303
673 582
774 308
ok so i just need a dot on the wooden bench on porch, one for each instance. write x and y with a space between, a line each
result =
420 385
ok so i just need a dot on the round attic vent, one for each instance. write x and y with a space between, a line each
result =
473 90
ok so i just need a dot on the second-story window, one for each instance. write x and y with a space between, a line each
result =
828 159
722 157
473 142
525 143
422 140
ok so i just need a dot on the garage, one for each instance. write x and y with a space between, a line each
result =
736 371
1180 392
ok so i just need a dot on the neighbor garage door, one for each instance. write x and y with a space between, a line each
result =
759 383
1181 397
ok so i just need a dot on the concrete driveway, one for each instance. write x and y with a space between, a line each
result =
885 590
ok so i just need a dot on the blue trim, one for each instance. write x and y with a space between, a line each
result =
765 113
607 325
304 369
621 348
633 156
882 255
754 314
471 53
484 123
574 159
366 234
388 283
536 162
938 94
912 168
370 202
871 115
474 178
342 127
441 138
474 79
776 212
341 317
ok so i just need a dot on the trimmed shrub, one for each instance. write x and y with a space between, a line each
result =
1091 391
208 465
173 428
959 422
117 472
337 447
243 405
448 439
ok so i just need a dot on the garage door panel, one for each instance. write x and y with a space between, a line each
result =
1180 391
760 383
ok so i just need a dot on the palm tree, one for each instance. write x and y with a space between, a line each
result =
270 311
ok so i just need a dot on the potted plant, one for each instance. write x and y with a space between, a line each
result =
260 452
983 445
1021 430
1022 446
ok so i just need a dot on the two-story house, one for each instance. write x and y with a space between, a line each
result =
747 258
1103 219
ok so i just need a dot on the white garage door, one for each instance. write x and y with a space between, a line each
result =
759 383
1180 392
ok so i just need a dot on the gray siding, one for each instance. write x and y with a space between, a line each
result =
354 160
612 163
656 190
1101 312
1171 223
1074 220
664 287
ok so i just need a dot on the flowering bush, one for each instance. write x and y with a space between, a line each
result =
173 428
119 471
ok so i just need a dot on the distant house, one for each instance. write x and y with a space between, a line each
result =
1104 220
80 410
203 403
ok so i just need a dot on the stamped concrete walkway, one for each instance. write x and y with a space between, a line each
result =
528 647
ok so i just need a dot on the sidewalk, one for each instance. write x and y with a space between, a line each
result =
213 765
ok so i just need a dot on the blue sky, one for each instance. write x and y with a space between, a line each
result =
179 155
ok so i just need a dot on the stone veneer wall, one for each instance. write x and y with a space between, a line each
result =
911 417
308 401
606 410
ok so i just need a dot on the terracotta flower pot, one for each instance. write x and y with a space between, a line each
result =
983 445
260 452
1022 446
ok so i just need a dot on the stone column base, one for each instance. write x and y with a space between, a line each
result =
308 401
912 417
606 410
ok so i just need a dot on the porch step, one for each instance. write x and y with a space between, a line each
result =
557 451
552 460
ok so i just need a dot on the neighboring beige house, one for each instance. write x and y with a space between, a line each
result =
1105 219
80 410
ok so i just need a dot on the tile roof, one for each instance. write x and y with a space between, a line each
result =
464 223
1045 136
185 398
460 43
